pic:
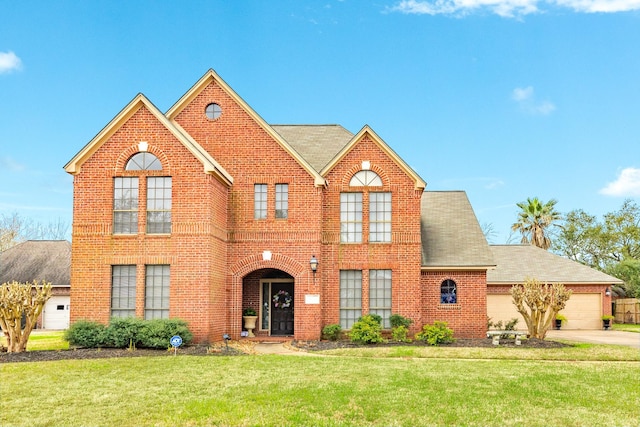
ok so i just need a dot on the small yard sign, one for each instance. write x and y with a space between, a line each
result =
176 341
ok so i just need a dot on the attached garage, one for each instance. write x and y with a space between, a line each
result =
55 314
516 263
583 311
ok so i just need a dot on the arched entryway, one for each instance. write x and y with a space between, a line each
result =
271 292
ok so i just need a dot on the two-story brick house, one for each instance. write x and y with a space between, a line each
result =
207 209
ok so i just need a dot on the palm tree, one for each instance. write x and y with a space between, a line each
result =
534 221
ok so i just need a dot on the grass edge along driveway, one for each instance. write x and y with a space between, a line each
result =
324 391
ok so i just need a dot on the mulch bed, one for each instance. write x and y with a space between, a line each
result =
461 342
203 350
104 353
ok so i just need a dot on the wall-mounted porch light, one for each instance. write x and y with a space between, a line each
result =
313 263
607 292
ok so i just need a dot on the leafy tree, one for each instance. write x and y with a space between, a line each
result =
18 301
539 303
611 245
534 221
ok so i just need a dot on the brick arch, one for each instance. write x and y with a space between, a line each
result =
373 168
255 262
124 157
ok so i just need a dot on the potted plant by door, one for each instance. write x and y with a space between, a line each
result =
559 319
606 321
249 315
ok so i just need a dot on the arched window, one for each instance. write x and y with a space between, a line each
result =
365 178
143 161
448 292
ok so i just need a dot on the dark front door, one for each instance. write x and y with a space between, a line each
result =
282 309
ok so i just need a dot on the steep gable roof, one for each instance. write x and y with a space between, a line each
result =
318 144
518 262
211 76
140 101
48 260
451 235
420 184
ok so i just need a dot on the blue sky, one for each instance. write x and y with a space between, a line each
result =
503 99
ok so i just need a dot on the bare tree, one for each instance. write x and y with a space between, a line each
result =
539 303
15 229
18 301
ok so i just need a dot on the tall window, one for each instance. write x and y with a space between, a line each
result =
350 297
380 295
125 205
159 205
380 217
448 292
282 200
123 291
351 217
156 292
260 201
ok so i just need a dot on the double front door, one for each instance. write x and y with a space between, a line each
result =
277 307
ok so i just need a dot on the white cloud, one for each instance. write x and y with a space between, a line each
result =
9 61
510 8
7 162
526 100
627 184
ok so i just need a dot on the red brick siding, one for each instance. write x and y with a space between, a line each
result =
468 317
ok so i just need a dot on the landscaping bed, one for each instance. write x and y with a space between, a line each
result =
460 342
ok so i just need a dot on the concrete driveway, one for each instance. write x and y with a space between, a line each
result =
630 339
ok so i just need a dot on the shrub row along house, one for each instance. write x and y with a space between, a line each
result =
206 210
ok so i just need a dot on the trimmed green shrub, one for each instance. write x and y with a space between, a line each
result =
158 332
375 317
127 332
367 330
122 332
84 333
398 320
400 334
435 334
332 332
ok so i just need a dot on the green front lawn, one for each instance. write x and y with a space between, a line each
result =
627 327
317 390
43 340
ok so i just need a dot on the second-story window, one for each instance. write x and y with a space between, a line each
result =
159 205
125 205
380 217
351 217
260 201
282 200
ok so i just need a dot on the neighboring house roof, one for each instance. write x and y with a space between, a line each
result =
451 235
318 144
48 260
519 262
140 101
211 76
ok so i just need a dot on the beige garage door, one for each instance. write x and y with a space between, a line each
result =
500 308
583 311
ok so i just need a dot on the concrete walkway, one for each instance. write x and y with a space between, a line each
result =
277 348
631 339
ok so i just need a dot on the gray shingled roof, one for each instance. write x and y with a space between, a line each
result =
517 262
317 144
451 235
48 260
